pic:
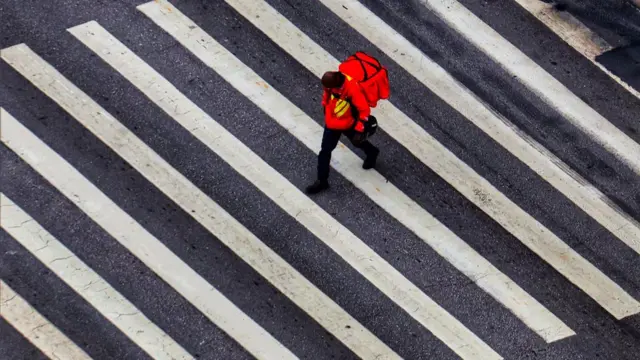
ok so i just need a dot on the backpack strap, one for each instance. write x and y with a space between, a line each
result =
364 70
377 66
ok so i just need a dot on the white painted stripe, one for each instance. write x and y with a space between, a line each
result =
36 328
384 193
537 157
574 33
286 195
537 79
110 217
567 27
422 145
196 203
84 281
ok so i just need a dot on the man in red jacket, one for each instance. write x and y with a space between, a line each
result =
345 111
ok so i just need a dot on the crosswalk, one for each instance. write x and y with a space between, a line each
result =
151 202
26 319
83 280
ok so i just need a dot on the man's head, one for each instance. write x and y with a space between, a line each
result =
332 79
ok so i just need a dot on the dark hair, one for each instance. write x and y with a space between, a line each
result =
332 79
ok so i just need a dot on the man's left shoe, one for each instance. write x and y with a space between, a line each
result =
317 187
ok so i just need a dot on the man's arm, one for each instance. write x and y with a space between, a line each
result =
359 101
325 97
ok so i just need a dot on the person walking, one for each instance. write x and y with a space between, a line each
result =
346 111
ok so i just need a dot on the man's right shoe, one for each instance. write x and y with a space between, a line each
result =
370 160
317 187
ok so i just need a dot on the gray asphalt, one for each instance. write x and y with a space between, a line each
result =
42 26
617 22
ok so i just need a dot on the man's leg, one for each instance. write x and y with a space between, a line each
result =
369 149
330 140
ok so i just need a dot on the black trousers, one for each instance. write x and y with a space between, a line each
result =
330 139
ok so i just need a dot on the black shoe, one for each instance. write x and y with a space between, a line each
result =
370 161
317 187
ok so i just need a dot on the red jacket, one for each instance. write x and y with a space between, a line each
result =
337 111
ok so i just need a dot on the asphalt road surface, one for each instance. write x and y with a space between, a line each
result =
154 158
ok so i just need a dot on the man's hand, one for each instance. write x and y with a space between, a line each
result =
360 125
359 136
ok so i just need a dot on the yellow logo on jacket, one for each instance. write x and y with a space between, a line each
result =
341 107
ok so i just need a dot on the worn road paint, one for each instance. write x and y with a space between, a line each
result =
394 201
541 83
427 149
277 188
575 34
104 212
35 327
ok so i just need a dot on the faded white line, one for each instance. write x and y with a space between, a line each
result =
383 192
104 212
549 167
574 33
196 203
83 280
536 79
36 328
289 198
427 149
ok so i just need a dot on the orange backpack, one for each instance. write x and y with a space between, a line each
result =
370 75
